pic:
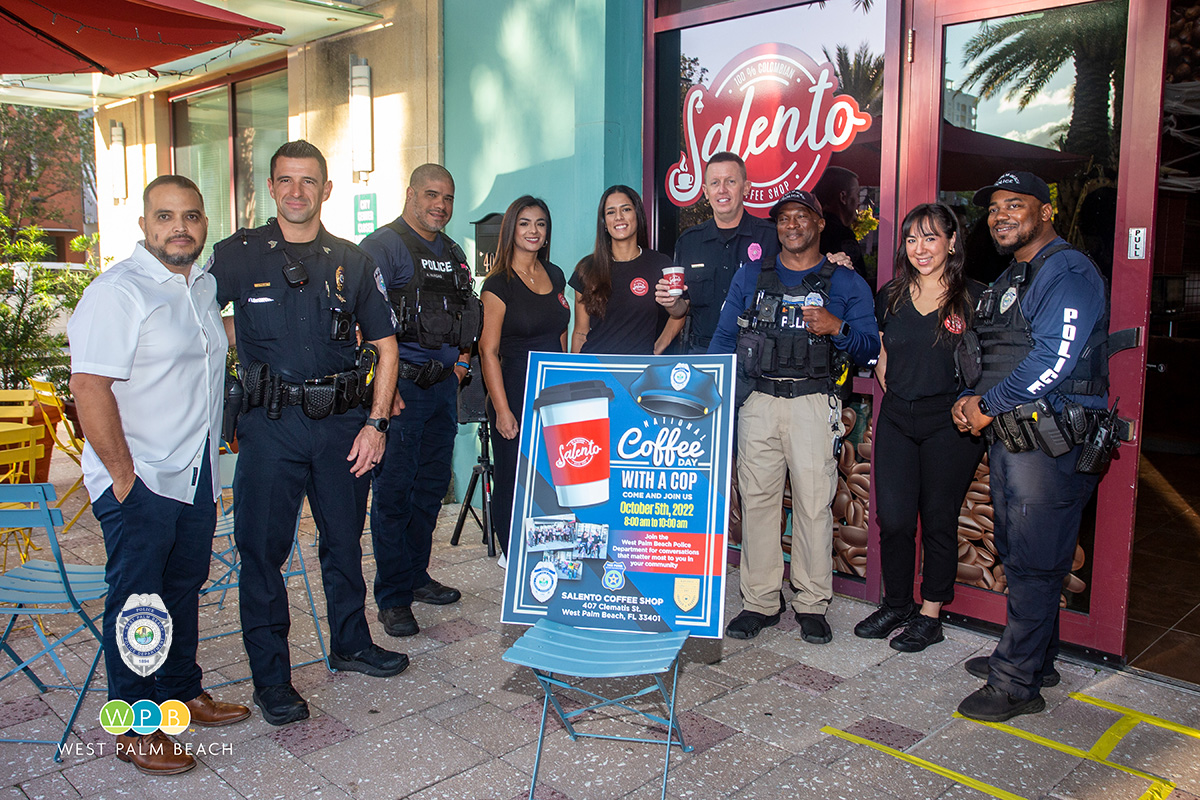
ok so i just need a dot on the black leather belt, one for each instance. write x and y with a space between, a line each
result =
790 388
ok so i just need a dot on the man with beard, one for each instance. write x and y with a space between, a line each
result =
806 310
439 320
147 359
1043 328
312 427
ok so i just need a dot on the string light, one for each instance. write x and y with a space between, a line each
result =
190 47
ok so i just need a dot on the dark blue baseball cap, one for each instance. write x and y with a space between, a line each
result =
1019 182
798 196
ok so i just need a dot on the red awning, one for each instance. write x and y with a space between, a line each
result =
43 37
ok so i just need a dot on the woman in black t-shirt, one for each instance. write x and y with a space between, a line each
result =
615 309
524 310
922 464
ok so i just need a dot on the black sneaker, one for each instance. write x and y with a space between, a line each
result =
883 621
280 704
992 704
399 621
372 660
814 628
979 667
921 632
749 624
436 594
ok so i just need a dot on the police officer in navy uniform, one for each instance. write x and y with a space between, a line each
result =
439 319
1043 329
711 252
299 294
795 321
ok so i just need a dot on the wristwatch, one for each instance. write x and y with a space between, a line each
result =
983 408
845 329
380 424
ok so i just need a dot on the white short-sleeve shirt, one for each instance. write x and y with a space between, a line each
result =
160 336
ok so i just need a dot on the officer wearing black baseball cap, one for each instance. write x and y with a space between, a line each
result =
808 312
1043 329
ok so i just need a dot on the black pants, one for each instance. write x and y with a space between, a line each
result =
505 454
279 462
923 466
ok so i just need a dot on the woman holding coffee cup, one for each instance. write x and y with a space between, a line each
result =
615 309
524 309
922 465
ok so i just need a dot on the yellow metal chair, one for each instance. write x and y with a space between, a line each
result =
66 442
18 457
17 404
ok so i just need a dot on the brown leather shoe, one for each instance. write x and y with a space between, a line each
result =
154 754
210 713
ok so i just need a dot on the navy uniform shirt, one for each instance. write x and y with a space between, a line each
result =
1063 303
849 300
710 258
396 265
289 328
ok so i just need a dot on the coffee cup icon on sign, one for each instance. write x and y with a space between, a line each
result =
576 432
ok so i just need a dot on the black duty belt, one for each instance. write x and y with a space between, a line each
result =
425 375
790 388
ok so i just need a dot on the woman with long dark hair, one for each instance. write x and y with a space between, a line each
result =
615 309
922 464
524 309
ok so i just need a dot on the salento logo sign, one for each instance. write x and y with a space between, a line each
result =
779 110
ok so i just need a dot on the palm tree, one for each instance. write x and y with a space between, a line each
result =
860 77
1023 53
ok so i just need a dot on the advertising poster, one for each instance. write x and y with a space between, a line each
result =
621 510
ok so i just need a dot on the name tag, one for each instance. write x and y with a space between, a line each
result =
260 299
697 266
262 285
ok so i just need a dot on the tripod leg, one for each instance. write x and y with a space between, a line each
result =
489 529
466 506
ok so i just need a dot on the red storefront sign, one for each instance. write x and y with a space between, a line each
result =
779 110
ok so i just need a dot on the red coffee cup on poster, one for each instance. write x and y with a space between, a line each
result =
574 420
674 277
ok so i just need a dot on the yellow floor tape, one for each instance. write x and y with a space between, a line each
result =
1160 788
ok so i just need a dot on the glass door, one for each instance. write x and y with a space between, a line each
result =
1071 92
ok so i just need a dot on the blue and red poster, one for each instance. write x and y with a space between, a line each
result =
621 510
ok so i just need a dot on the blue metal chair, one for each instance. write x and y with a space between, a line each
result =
551 648
44 588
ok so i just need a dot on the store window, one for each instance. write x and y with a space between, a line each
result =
224 137
792 91
796 92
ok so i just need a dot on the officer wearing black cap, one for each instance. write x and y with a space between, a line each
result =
311 427
795 322
1043 331
440 318
713 251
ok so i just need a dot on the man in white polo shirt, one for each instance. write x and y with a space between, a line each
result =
147 371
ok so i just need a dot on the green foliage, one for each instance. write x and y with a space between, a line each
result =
861 77
1021 54
31 299
44 152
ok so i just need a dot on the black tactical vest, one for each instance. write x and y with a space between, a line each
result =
438 306
770 339
1006 338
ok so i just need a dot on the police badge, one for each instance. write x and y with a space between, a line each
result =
614 576
144 633
687 593
543 581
